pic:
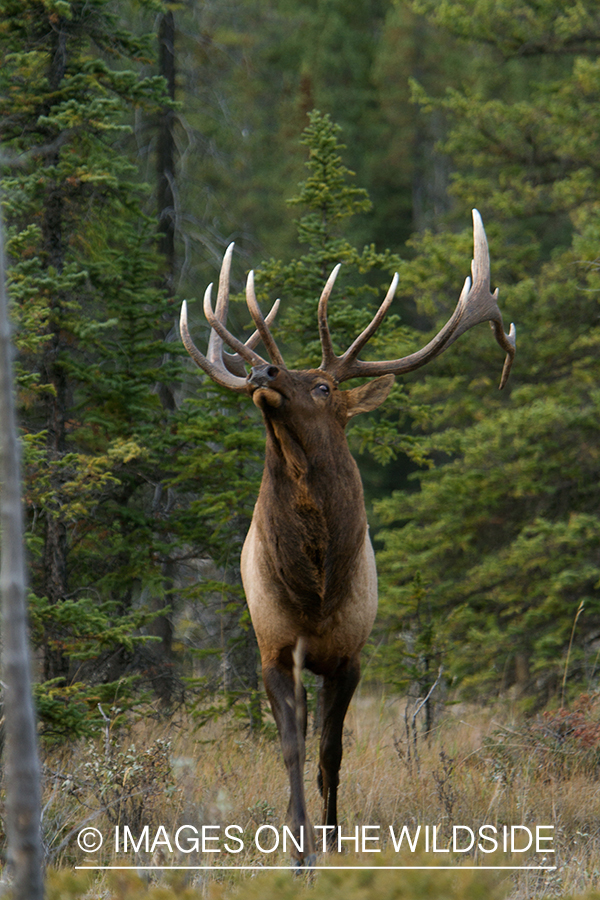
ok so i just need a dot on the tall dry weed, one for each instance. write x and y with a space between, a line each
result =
476 768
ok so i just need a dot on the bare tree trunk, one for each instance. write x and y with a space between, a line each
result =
22 764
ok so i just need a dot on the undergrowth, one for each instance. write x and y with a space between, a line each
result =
477 769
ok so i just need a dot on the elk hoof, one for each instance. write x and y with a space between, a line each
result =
308 862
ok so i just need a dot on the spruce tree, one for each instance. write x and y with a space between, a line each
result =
497 552
87 311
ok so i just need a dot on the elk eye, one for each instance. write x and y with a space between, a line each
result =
323 389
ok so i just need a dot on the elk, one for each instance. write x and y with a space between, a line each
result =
308 567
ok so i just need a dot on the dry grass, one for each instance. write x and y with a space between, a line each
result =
477 768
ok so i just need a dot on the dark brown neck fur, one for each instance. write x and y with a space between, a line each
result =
311 509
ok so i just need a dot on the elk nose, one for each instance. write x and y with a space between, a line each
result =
261 376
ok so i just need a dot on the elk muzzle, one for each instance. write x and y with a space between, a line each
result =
261 378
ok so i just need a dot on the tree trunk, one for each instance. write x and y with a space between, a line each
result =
56 548
165 161
165 198
22 764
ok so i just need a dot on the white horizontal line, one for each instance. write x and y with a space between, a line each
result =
325 868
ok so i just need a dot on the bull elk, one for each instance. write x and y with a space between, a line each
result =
308 567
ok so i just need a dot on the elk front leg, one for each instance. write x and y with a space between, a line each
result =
279 685
337 693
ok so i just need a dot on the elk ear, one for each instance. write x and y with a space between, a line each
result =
368 396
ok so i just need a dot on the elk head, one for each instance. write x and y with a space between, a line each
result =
270 383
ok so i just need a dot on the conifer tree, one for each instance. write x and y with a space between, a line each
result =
328 200
88 314
134 504
497 553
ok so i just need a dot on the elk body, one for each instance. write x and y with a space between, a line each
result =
308 566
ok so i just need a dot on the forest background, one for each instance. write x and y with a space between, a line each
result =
138 139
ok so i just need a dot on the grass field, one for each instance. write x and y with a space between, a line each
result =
479 769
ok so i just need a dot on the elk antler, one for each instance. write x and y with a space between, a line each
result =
262 326
227 369
476 304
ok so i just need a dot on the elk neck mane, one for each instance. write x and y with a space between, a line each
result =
311 518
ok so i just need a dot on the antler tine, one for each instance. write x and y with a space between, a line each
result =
216 370
245 352
509 343
223 292
225 368
234 361
476 304
357 345
480 268
329 356
215 342
261 325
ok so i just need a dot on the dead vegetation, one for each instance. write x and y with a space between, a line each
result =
476 768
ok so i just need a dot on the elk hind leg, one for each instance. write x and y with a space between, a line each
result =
338 690
291 725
